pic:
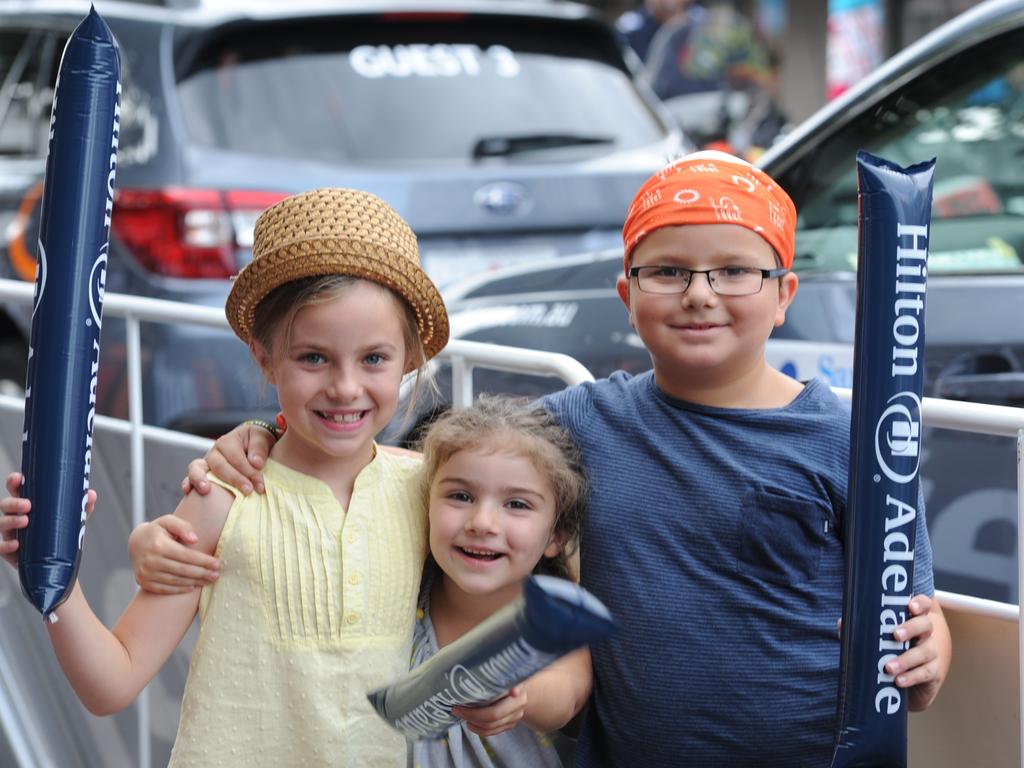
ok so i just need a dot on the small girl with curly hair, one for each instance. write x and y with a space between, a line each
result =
505 494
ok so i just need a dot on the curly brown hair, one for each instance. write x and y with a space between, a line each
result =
531 431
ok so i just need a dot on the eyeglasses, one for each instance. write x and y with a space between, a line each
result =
725 281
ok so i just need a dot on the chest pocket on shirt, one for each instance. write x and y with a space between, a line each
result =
782 538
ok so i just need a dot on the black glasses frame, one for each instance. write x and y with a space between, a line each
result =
686 278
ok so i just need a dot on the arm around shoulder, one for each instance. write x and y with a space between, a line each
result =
237 458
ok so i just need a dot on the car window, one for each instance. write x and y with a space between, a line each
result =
969 114
28 64
391 90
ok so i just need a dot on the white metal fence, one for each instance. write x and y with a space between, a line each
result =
464 357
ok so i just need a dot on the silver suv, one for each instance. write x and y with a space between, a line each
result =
504 131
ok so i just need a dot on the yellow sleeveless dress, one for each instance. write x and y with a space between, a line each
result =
314 607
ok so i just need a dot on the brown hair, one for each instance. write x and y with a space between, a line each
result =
275 315
531 431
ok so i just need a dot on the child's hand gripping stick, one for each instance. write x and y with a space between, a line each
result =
63 364
552 617
885 455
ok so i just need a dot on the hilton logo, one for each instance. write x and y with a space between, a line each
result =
898 436
98 286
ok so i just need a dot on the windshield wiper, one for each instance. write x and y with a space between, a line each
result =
503 146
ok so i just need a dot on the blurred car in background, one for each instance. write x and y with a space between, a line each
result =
504 131
957 95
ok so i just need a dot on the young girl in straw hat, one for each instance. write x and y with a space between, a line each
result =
316 599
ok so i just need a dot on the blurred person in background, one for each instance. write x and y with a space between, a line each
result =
639 26
709 67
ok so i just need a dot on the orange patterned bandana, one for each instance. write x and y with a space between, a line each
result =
712 188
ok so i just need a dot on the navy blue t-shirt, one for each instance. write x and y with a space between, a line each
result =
713 536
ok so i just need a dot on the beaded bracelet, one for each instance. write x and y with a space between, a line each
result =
272 429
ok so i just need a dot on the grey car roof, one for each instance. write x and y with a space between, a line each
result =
221 11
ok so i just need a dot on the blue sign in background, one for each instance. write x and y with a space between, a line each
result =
60 393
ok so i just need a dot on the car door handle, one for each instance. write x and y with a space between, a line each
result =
999 388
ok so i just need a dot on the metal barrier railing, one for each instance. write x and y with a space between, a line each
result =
987 420
464 357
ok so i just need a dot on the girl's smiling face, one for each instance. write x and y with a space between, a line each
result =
492 517
337 370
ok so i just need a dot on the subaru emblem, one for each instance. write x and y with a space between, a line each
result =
502 198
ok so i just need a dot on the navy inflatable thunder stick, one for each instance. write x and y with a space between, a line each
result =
551 618
885 454
63 358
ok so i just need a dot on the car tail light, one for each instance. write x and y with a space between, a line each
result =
188 232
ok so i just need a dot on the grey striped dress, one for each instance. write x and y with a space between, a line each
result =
520 747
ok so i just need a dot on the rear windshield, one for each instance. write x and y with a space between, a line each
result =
394 90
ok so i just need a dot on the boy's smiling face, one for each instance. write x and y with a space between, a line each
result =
699 339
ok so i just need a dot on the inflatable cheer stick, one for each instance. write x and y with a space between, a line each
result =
63 358
552 617
885 454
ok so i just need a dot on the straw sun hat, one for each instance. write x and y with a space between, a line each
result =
337 232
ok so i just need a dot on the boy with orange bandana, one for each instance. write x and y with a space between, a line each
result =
718 491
